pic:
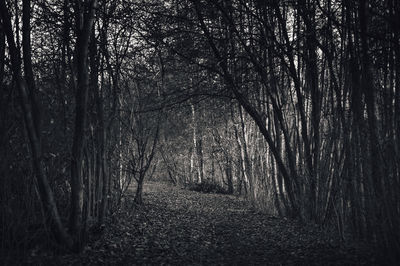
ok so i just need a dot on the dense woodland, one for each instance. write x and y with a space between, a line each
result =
292 104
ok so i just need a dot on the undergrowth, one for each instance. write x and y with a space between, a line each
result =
207 187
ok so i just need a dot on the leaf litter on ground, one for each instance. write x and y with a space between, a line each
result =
181 227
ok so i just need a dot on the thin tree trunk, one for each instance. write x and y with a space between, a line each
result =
83 29
229 176
2 53
195 159
27 58
312 82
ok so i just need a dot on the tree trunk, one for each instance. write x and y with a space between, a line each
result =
229 176
139 191
101 131
196 163
27 58
2 53
312 83
83 29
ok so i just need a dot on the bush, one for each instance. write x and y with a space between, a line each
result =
207 187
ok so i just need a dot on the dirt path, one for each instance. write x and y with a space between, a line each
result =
181 227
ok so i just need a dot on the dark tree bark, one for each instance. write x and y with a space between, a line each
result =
84 24
27 58
101 171
2 52
308 14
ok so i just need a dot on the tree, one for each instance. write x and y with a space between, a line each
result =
84 25
143 131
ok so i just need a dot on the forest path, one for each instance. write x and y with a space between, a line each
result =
182 227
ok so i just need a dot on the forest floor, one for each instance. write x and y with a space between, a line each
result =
181 227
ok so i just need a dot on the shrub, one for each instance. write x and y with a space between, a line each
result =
208 187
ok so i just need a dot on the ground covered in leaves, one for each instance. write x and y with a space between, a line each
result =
181 227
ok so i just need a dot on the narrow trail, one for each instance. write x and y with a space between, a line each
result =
180 227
